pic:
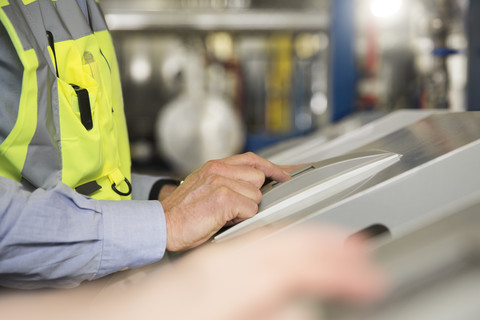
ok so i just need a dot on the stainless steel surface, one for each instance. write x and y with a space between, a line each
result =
217 15
270 20
434 272
325 133
215 4
439 164
320 146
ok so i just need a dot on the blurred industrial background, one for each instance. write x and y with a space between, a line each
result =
205 79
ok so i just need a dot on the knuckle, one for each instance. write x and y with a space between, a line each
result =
213 179
252 211
213 166
260 179
223 194
207 165
259 196
246 212
251 156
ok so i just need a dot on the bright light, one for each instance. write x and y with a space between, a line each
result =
140 69
385 8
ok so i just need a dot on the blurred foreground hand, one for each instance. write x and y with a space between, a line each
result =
245 279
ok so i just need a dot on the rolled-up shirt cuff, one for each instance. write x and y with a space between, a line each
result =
135 235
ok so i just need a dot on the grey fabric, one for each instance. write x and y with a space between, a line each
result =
142 185
97 19
11 71
83 5
43 163
68 10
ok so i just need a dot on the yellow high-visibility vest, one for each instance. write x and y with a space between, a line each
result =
71 125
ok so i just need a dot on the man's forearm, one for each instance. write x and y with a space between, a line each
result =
59 238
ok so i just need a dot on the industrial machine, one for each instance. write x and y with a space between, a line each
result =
415 190
420 169
433 272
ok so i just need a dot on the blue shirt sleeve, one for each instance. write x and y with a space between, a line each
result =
59 238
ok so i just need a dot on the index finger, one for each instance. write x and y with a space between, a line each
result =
252 160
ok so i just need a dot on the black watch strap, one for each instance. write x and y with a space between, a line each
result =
157 187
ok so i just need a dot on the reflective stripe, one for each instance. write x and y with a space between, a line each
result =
42 163
78 27
83 5
52 21
97 19
11 69
14 149
49 143
43 167
22 30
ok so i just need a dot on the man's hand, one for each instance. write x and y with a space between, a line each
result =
221 191
166 191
